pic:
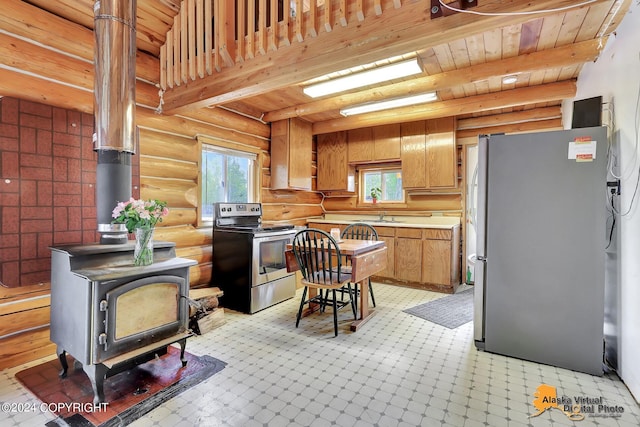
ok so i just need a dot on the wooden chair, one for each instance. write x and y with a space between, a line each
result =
320 262
360 231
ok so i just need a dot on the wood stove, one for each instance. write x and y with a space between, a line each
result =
111 315
107 313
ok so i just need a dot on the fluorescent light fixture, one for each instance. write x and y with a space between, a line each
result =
507 80
391 103
364 78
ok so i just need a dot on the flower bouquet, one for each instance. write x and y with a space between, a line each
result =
140 217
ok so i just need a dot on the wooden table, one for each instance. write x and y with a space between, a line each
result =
368 257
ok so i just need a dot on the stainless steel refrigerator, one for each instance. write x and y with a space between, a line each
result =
540 269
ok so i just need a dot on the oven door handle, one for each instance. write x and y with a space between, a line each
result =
273 235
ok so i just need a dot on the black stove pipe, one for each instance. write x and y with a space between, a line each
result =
114 110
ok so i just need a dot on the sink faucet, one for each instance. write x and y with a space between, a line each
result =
381 216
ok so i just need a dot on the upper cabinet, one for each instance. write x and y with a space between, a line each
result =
414 154
334 171
291 155
360 145
428 154
426 150
386 142
375 144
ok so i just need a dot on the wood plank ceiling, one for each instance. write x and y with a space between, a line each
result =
464 58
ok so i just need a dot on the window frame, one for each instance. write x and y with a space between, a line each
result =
362 197
228 147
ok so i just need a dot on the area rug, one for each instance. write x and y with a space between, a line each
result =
129 395
450 311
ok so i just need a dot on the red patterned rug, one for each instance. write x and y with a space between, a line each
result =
129 394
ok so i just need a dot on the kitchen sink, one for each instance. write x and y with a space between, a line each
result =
377 221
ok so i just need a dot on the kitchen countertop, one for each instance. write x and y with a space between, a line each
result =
441 222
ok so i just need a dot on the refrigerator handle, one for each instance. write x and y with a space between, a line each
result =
481 219
479 289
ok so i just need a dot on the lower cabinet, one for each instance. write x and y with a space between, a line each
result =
441 250
388 235
428 258
410 258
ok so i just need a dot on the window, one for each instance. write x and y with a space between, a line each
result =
228 175
388 180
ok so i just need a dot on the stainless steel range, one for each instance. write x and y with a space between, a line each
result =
248 258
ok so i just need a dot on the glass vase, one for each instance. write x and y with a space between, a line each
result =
143 251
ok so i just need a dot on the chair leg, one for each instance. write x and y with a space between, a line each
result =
304 295
373 299
335 312
324 297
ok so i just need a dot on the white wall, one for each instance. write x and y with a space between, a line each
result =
616 76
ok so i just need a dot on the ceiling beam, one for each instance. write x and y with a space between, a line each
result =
534 114
538 125
396 31
508 98
564 56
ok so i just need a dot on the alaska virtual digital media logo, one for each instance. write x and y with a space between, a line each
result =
546 398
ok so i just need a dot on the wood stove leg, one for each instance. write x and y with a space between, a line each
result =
62 356
96 374
183 344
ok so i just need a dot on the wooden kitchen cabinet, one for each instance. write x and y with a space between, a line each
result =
334 173
291 154
408 260
413 154
360 143
386 142
441 153
428 154
441 256
375 144
387 234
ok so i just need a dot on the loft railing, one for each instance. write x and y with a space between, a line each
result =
208 35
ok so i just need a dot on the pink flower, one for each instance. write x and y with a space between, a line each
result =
139 213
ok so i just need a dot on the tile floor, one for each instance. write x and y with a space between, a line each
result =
399 370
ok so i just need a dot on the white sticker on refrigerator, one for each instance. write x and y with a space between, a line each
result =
582 149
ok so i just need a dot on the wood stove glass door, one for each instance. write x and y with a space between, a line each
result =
142 312
161 298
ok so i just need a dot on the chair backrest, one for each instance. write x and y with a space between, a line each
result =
359 231
318 256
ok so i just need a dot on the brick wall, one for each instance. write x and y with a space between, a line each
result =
47 187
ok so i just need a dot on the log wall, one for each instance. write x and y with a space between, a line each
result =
24 324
